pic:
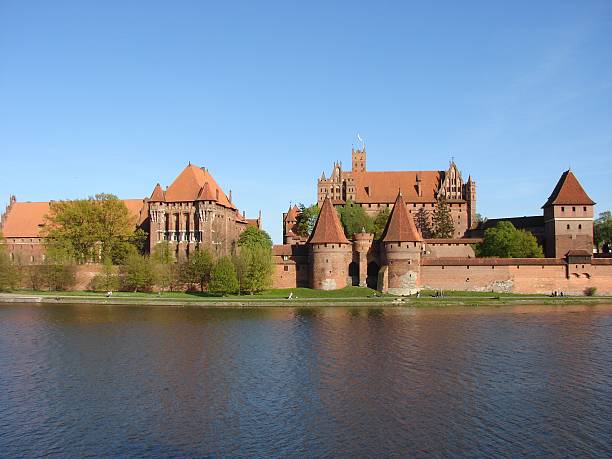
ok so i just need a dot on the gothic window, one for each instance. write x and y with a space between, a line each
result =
562 209
579 227
568 227
584 208
573 209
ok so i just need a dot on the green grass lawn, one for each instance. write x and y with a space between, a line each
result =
272 294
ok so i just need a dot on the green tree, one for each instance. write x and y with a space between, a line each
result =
137 273
443 227
58 271
306 219
422 220
354 219
505 241
9 273
223 279
167 271
92 229
254 268
107 280
197 268
380 222
254 237
602 230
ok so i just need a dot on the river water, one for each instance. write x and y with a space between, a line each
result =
84 380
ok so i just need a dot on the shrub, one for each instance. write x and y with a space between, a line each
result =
590 291
137 273
223 279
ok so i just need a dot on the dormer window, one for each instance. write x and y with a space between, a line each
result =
367 190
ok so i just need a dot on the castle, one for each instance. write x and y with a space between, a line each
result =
402 262
374 190
192 212
195 212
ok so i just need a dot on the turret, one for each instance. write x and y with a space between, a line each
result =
568 218
402 245
359 160
329 251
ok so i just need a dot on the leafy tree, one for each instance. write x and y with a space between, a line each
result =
478 218
306 219
138 273
443 226
58 271
167 271
197 269
422 220
9 274
505 241
354 219
254 268
602 230
223 279
254 237
380 222
107 280
92 229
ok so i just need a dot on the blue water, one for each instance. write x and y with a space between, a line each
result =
78 381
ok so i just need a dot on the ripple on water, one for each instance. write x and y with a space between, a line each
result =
103 381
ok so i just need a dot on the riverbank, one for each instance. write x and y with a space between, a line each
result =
353 297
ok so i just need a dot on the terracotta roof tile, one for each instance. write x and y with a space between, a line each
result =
293 213
158 194
26 219
381 187
190 181
400 227
568 191
328 229
205 193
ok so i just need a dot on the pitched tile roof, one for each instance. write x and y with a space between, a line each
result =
205 194
381 187
328 229
189 183
568 191
400 227
26 219
293 213
158 194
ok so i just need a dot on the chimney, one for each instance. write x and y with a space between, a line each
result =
418 185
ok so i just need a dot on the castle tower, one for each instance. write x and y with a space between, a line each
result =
362 245
568 218
289 224
157 217
359 160
330 251
402 247
470 197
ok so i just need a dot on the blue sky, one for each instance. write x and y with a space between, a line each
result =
115 96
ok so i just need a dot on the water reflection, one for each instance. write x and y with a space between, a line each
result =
133 381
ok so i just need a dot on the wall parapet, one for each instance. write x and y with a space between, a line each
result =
492 261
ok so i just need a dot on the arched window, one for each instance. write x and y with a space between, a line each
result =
568 227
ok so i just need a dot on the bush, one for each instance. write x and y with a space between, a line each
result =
137 274
9 274
223 279
590 291
107 280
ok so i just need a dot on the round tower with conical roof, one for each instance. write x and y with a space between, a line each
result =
402 246
330 252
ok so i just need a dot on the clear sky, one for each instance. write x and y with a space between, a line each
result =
114 96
